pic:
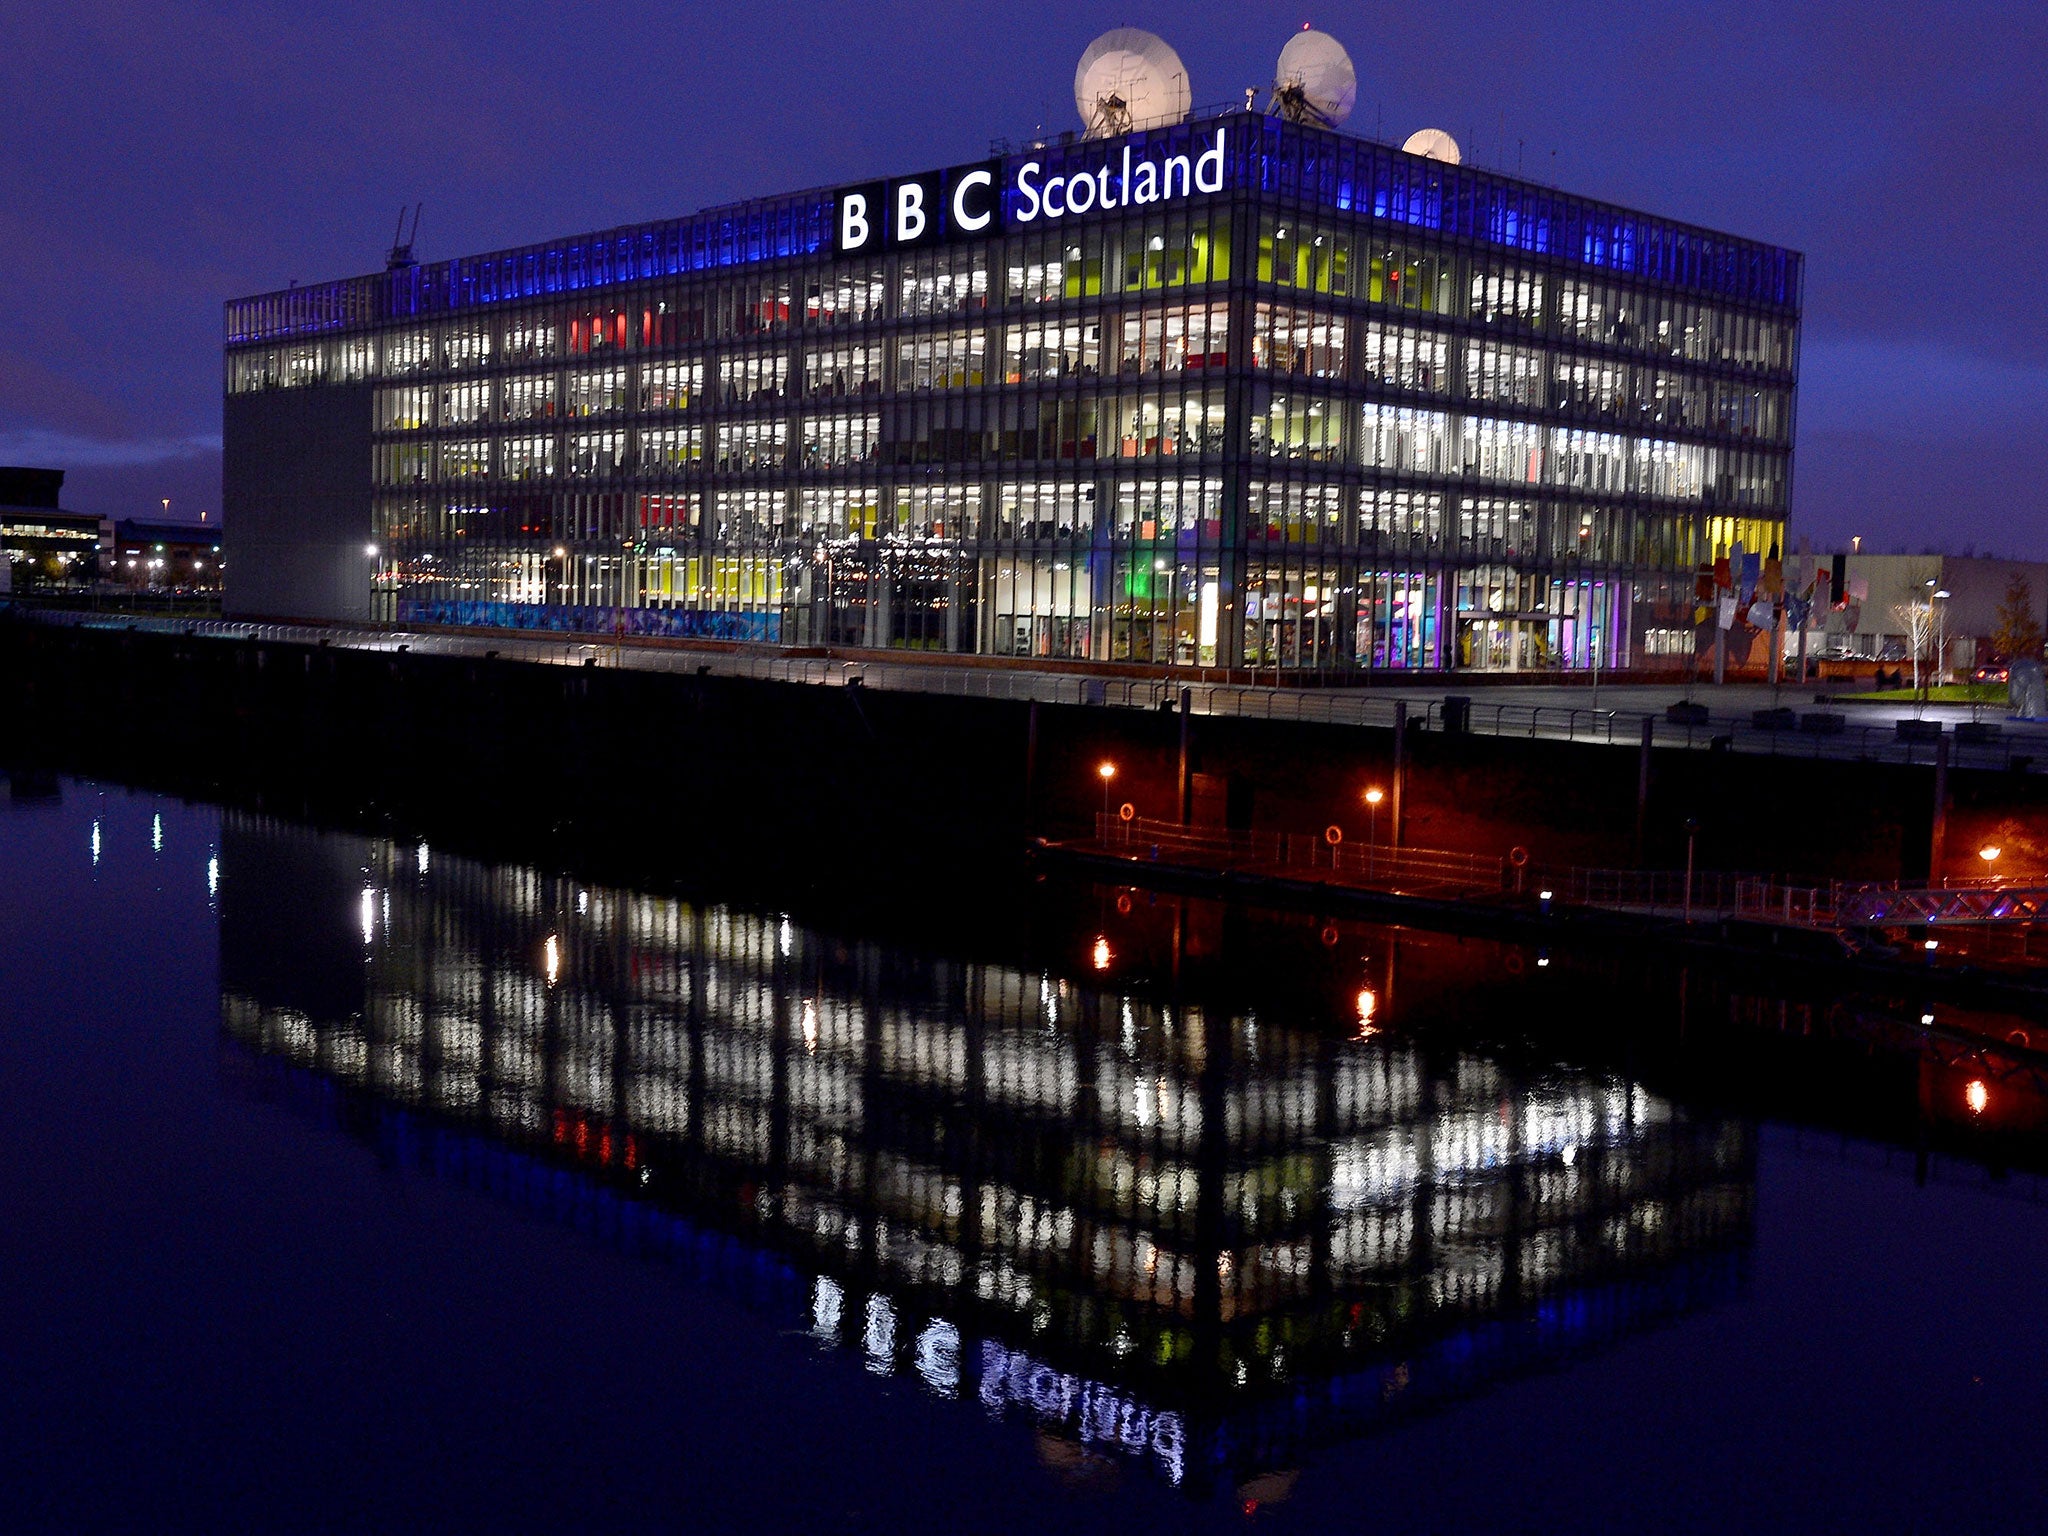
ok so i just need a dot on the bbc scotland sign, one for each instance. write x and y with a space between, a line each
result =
974 200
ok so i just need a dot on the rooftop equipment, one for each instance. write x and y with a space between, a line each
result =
1129 79
1314 82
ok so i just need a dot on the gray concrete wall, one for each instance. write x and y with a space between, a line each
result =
1976 588
295 498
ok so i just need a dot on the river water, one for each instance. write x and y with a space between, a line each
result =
358 1183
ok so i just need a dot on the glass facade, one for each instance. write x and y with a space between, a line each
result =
1357 410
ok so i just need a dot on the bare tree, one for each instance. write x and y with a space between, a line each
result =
1916 617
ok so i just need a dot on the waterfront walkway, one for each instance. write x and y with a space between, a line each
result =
1751 718
1431 876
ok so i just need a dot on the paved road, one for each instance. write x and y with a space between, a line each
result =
1538 711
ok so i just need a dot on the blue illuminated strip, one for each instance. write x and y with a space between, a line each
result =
1267 157
735 237
1476 1357
1459 202
586 620
572 1197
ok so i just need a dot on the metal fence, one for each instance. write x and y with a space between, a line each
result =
1407 870
1701 896
1986 746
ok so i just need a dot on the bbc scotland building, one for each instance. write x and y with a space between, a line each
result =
1239 392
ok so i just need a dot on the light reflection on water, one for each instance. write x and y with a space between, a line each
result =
1141 1225
1174 1233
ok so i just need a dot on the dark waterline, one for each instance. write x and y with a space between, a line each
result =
339 1198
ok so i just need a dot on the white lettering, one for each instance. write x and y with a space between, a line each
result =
1116 184
910 215
1097 1414
853 222
962 219
1025 172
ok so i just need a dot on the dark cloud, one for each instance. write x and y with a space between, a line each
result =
177 155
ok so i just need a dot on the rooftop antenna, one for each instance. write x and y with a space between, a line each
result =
1130 79
401 243
1314 82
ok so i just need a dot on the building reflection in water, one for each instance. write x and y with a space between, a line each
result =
1203 1240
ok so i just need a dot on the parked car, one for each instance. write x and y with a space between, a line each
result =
1991 674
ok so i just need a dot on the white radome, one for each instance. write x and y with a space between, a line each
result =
1130 79
1315 70
1434 144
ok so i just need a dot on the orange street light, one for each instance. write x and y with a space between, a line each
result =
1105 771
1373 797
1989 854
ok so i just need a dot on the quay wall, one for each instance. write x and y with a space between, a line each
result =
724 773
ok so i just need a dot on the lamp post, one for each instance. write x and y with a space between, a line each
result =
1593 640
1373 797
1692 828
1105 771
1940 637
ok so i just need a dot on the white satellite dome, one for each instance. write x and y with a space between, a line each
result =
1129 79
1434 144
1314 81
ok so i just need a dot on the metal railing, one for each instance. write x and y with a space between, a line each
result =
1370 706
1941 907
1702 896
1408 870
1835 904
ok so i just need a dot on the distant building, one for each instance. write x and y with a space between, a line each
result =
159 554
1870 601
43 545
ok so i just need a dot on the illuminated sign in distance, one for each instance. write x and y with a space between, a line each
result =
914 211
970 200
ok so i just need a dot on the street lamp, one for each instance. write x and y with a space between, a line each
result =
1692 831
1373 797
1989 854
1105 772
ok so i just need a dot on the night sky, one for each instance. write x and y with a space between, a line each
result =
163 158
